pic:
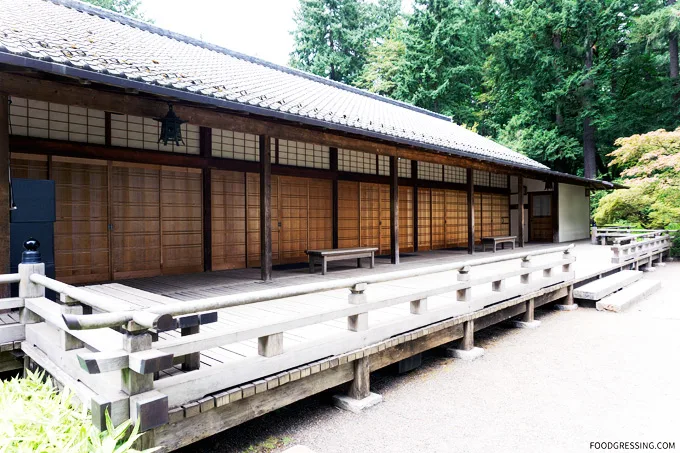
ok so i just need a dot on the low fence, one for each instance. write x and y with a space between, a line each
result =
636 248
111 357
623 235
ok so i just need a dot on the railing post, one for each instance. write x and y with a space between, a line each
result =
418 307
464 294
69 306
191 361
593 234
566 267
526 263
358 322
31 263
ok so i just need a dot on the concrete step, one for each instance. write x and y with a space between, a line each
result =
602 287
628 296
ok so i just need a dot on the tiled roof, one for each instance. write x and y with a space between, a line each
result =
76 35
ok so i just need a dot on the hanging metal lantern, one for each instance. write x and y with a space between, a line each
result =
171 130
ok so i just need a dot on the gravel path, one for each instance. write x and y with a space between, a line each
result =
582 376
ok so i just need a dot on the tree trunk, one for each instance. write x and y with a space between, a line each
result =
589 147
673 49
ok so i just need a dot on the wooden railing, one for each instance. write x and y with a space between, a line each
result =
110 357
622 235
634 248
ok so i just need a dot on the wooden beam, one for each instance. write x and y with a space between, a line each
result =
150 106
520 211
4 191
206 150
470 212
555 210
394 210
265 209
414 177
335 207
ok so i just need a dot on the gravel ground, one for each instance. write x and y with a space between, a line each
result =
581 377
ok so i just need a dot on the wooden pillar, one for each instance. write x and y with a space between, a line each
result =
414 177
360 386
4 191
334 169
394 210
471 211
206 151
468 340
555 210
520 211
265 209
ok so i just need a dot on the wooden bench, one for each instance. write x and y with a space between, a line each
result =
324 256
498 240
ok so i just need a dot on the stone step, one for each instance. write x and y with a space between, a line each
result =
602 287
628 296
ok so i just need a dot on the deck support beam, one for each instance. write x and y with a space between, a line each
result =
466 349
265 209
359 396
528 321
470 212
394 209
568 304
4 191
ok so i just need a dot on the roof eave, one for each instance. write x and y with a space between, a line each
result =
125 83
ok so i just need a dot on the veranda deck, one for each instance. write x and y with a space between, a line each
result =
141 293
277 342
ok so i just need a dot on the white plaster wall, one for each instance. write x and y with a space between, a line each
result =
574 213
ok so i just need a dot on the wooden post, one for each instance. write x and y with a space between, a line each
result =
555 212
31 263
520 211
359 388
471 212
336 204
359 322
526 263
191 361
132 382
468 340
4 191
465 294
265 209
414 177
529 313
206 152
394 210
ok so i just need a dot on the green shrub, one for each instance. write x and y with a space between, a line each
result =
35 417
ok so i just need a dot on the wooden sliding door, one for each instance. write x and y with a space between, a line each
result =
348 214
81 237
456 218
405 219
136 221
181 220
424 220
228 219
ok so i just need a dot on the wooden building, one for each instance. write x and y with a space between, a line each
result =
273 162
